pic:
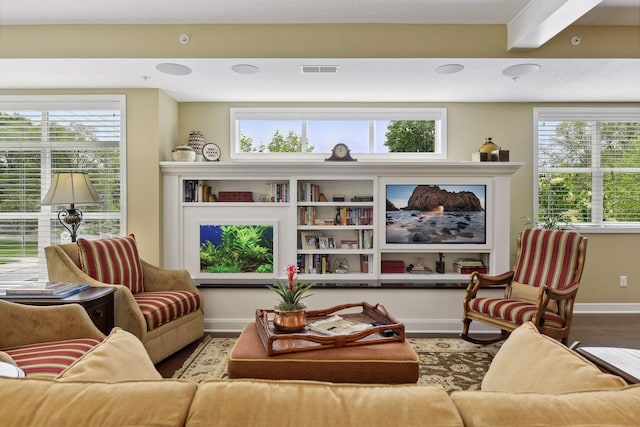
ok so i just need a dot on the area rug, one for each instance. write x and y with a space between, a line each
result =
453 363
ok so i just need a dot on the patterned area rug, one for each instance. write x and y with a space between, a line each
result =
453 363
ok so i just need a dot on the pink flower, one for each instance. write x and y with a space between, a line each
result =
291 276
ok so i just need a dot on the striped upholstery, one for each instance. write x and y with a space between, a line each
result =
114 261
159 308
548 257
48 360
517 312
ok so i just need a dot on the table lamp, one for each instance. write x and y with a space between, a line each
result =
72 188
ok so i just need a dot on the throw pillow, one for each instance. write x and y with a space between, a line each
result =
114 261
529 293
120 357
531 362
620 408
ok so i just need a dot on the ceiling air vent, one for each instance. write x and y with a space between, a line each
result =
319 69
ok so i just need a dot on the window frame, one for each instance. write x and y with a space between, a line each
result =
439 115
47 214
584 114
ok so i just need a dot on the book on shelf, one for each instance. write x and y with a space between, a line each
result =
419 269
469 270
469 262
337 325
47 290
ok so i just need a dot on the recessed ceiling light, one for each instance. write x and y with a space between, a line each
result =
520 70
449 68
245 69
173 69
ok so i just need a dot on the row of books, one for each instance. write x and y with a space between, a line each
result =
308 192
198 191
47 290
278 192
355 216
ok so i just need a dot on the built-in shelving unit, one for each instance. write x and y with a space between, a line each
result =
335 219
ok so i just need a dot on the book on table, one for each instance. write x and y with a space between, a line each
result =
47 290
337 325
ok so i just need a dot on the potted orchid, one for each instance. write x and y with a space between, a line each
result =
289 312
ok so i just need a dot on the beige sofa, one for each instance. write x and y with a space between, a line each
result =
533 381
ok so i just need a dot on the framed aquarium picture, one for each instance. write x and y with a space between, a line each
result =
238 247
436 214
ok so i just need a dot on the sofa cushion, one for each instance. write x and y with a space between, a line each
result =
120 357
308 403
531 362
159 308
48 360
114 261
48 403
517 312
618 408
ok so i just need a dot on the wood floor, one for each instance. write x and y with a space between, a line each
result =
610 330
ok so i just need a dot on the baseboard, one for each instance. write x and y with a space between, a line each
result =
606 308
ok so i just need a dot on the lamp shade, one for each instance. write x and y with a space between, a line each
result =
73 188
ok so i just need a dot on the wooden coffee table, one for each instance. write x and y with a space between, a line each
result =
379 354
386 363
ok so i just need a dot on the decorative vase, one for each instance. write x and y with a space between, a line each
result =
196 141
488 147
183 153
290 321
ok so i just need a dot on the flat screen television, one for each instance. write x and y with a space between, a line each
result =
442 214
237 248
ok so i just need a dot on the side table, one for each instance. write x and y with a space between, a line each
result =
97 302
624 362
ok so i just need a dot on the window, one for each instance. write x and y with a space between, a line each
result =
295 133
588 167
40 136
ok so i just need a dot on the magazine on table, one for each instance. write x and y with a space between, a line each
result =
52 290
337 325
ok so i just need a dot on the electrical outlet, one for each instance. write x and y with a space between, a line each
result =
623 281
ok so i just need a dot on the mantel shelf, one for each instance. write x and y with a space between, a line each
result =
275 170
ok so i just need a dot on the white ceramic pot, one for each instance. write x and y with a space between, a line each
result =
183 153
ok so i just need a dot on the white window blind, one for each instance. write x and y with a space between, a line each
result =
588 167
41 136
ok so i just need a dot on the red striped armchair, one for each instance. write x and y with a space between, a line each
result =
541 288
161 307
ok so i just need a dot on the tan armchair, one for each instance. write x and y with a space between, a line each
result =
541 288
64 265
42 340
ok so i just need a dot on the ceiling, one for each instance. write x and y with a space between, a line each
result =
357 80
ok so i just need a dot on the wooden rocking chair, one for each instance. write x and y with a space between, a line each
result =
541 288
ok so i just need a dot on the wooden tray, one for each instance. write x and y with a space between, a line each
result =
276 342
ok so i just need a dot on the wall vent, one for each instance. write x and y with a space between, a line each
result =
319 69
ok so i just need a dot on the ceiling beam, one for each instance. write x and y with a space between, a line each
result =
540 20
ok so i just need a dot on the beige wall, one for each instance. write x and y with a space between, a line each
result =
156 123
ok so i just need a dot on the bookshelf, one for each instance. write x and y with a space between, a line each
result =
326 215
